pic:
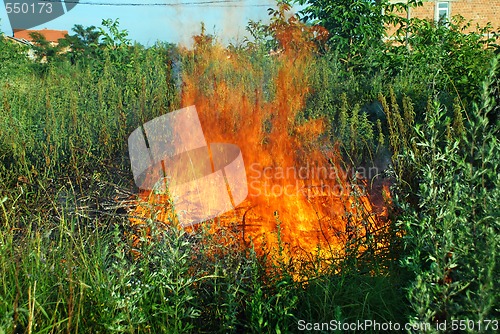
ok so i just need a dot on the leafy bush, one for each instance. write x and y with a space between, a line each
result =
448 56
452 235
354 26
13 59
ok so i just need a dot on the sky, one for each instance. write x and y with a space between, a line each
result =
173 21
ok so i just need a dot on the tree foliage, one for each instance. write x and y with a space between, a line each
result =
83 43
354 25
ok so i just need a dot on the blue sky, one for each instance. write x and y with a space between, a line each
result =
174 21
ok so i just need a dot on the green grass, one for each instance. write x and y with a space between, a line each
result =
65 258
66 264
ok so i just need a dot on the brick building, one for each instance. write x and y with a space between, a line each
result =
480 12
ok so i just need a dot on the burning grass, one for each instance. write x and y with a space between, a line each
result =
301 194
63 258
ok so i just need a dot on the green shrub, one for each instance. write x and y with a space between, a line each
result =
452 235
444 56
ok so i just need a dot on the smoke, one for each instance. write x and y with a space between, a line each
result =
233 19
182 22
227 21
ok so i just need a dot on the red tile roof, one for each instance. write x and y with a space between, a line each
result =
50 35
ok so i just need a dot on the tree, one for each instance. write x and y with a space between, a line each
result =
354 25
45 50
112 36
84 43
285 32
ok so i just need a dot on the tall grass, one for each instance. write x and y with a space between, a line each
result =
66 263
70 118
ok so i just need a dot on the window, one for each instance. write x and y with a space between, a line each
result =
442 11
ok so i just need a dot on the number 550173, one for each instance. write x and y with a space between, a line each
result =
25 8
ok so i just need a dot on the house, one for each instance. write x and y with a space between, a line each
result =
20 41
479 12
23 36
52 36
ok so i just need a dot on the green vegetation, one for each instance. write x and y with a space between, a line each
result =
426 115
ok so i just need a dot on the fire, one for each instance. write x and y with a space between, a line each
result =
294 185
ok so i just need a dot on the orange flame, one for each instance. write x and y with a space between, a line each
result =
255 103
